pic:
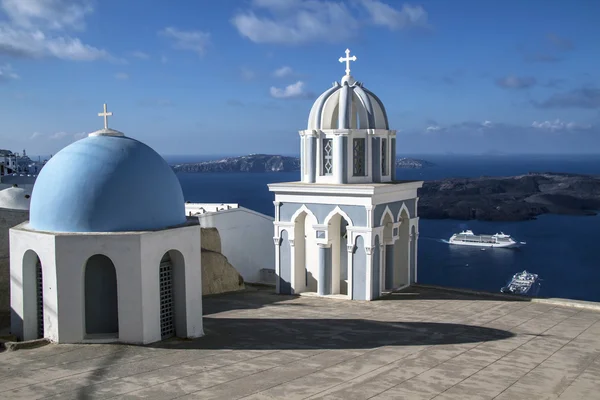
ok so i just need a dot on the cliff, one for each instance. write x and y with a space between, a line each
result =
269 163
513 198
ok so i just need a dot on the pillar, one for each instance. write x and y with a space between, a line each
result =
389 266
393 159
324 284
311 158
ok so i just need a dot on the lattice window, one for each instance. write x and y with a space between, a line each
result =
40 299
327 160
384 159
358 148
167 311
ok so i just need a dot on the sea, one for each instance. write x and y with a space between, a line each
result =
563 250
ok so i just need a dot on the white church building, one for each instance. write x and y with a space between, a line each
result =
348 228
108 253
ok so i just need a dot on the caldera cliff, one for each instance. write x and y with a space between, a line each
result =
513 198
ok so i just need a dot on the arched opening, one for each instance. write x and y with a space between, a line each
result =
388 252
413 255
305 254
172 295
33 297
376 276
401 252
101 299
359 270
338 233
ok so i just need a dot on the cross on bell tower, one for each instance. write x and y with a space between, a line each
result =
105 115
347 59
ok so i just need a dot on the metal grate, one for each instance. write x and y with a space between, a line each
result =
40 299
327 156
167 312
359 157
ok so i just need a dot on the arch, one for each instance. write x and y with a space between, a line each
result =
337 227
342 213
171 281
304 265
387 211
402 250
101 296
33 296
299 211
404 209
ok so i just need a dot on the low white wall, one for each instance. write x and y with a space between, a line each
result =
246 239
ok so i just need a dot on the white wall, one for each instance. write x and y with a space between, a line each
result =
246 239
136 257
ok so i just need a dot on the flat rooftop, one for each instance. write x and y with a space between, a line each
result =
420 343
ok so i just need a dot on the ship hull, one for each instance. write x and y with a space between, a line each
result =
483 244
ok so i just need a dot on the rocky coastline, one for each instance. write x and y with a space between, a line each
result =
512 198
269 163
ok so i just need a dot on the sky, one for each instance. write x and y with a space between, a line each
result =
237 77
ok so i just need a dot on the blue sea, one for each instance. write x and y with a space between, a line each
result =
563 250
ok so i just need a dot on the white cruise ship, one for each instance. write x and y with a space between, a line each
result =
468 238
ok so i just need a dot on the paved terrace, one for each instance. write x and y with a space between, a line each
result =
418 344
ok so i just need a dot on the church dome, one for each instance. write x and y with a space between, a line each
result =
348 105
106 183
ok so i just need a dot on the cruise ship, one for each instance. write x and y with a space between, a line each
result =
468 238
523 283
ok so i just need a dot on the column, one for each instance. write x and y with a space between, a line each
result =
393 159
311 158
324 284
389 266
350 249
338 159
277 264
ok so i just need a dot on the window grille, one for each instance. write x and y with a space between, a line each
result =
40 299
327 156
359 157
167 326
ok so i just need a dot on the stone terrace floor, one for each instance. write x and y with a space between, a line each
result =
417 344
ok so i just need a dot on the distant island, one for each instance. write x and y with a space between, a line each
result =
269 163
513 198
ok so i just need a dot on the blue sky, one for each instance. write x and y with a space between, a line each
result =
234 77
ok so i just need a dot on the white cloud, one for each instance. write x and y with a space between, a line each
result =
433 128
302 21
6 73
140 55
35 135
294 90
295 21
122 76
195 41
47 14
487 124
558 125
36 44
59 135
283 72
247 74
385 15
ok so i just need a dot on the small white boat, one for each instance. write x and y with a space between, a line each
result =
468 238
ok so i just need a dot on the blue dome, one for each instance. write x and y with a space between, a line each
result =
106 184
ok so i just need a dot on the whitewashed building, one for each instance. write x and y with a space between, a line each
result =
108 253
348 228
